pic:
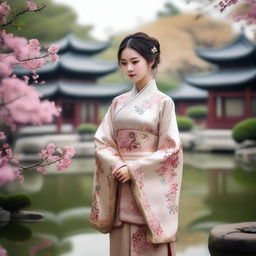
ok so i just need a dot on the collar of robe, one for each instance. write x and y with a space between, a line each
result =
146 91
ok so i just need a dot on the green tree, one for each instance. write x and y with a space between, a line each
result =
54 22
169 10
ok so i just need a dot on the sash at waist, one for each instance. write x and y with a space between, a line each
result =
135 141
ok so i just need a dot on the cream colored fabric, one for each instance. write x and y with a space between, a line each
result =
131 240
139 130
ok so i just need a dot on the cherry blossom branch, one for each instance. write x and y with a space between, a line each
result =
38 164
225 4
48 156
22 12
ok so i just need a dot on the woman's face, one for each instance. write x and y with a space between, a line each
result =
135 66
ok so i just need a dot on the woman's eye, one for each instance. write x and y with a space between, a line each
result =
135 62
123 63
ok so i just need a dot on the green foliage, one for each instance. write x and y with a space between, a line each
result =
15 202
169 10
86 128
51 24
165 85
245 178
197 112
245 130
185 123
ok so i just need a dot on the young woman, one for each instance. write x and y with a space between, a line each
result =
139 160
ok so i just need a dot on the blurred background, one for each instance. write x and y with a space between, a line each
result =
207 67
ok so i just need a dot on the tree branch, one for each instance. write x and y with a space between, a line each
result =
21 13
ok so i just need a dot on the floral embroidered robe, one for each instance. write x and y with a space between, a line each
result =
140 131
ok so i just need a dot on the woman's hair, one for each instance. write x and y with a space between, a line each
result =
146 46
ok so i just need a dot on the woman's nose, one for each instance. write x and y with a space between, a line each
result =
130 68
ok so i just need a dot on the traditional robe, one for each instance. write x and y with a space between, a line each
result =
140 131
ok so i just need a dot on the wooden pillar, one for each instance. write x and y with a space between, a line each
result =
182 108
96 112
59 119
211 110
77 114
248 103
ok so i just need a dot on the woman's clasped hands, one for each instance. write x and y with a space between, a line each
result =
122 174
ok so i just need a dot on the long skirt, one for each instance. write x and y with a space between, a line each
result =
131 240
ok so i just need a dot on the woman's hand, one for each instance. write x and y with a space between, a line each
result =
122 174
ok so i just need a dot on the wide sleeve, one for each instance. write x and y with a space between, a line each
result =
104 186
156 179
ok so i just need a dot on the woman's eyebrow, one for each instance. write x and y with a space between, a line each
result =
133 58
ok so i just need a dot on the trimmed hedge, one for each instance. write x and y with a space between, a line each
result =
14 202
245 130
185 123
87 128
197 112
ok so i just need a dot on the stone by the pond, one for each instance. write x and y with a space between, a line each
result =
4 217
236 239
27 216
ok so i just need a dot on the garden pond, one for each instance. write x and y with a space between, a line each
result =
215 190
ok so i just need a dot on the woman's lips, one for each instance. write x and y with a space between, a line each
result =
131 75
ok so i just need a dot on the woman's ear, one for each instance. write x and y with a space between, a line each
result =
151 63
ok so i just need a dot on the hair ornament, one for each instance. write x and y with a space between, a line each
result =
154 50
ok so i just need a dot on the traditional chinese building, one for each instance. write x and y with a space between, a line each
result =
186 96
72 81
232 85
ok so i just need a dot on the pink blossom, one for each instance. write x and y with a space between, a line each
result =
3 252
2 135
4 11
51 148
31 6
20 175
249 17
53 49
6 64
6 173
43 154
44 244
18 45
53 57
23 103
42 169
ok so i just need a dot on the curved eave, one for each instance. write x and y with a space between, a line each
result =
240 48
82 90
187 92
74 43
47 90
50 67
221 79
75 64
86 65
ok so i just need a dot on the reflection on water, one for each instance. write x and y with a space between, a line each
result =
214 191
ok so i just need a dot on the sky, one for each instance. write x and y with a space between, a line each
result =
114 16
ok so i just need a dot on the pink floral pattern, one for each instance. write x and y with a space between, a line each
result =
140 245
148 103
127 141
139 177
120 101
131 207
167 172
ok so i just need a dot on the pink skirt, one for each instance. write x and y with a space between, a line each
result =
131 240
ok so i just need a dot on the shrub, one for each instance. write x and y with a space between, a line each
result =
87 128
197 112
185 123
245 130
14 202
